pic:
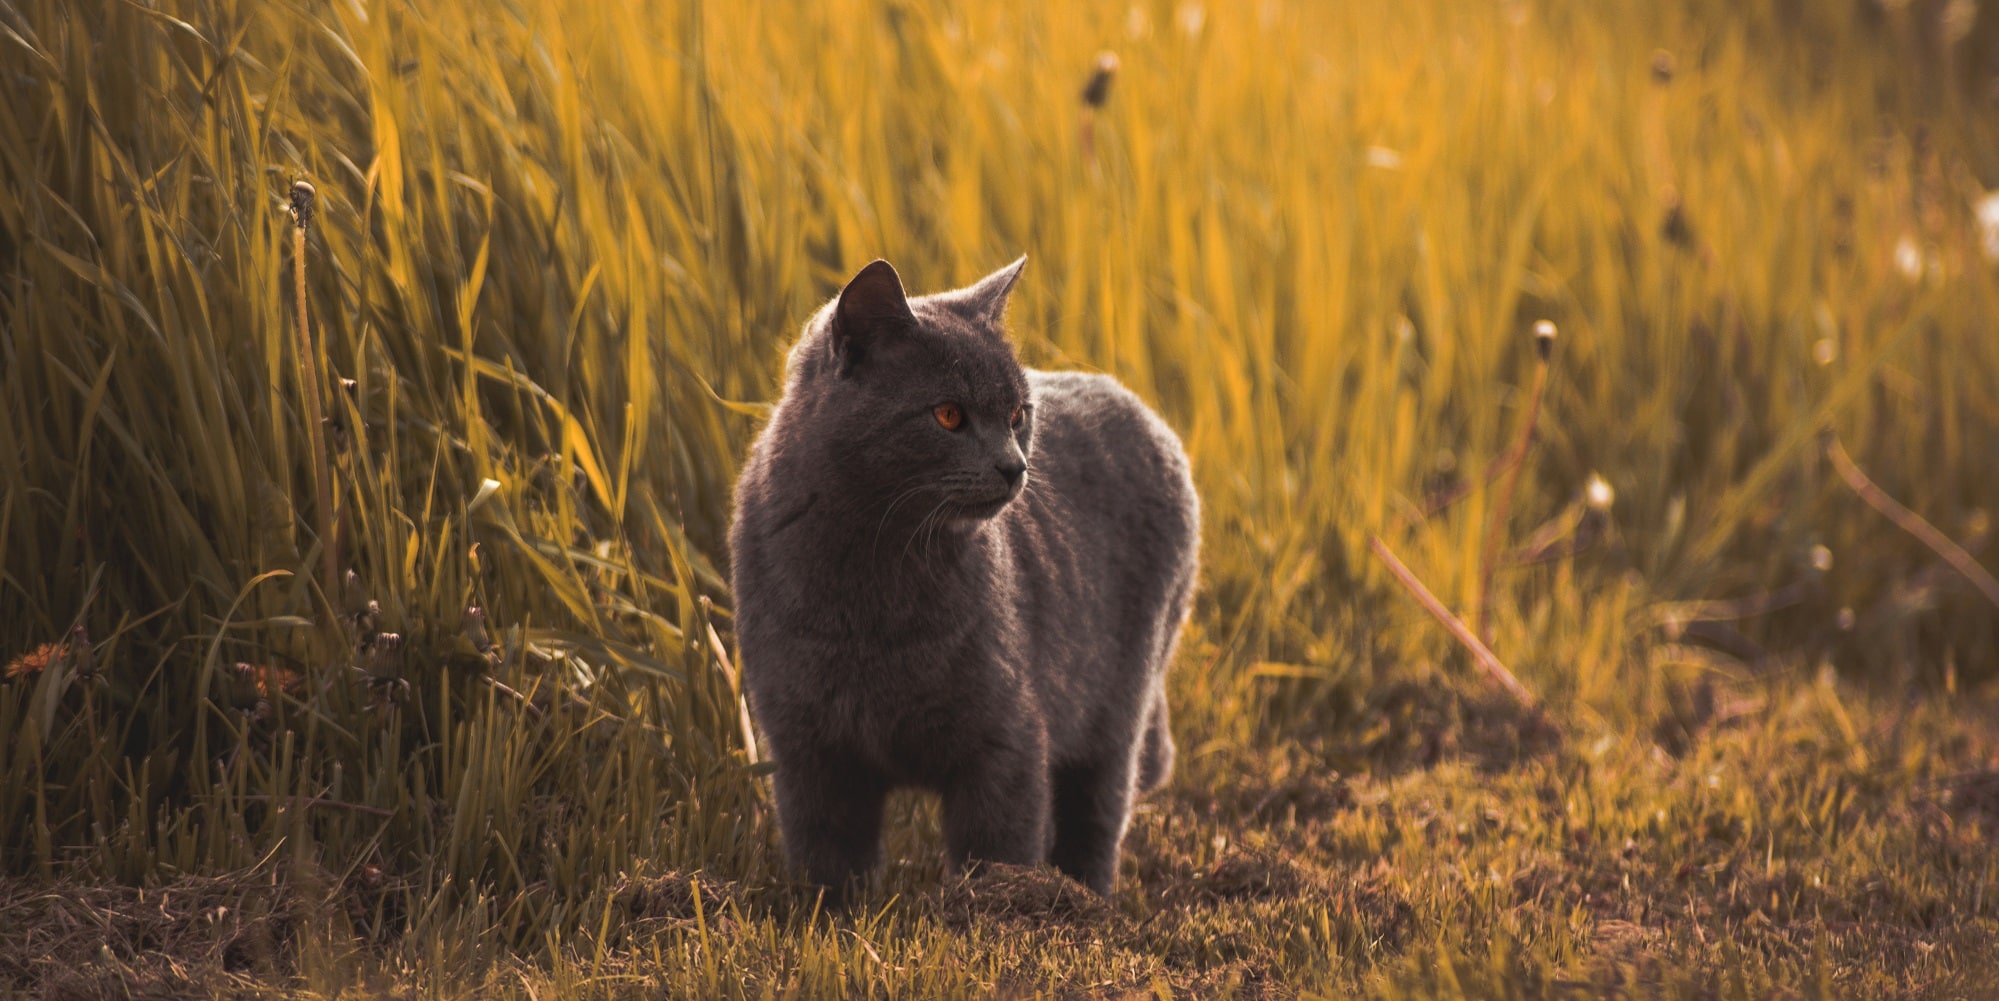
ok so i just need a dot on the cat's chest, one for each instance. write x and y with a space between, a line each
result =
907 707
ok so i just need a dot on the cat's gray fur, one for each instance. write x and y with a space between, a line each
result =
986 613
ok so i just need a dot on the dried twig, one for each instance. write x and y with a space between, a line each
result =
526 703
1909 521
1486 659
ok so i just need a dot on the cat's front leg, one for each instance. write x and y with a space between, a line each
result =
997 810
829 811
1092 807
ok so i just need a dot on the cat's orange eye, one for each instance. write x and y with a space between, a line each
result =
949 415
1019 414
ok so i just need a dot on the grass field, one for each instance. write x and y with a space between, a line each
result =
389 653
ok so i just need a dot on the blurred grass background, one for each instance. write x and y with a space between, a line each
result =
560 247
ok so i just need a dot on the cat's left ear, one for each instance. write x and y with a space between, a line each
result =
984 301
870 309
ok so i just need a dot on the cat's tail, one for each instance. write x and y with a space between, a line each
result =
1155 757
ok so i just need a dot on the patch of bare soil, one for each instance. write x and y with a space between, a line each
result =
1972 796
1415 724
1023 895
1253 875
192 937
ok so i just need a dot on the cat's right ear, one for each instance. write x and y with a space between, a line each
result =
871 307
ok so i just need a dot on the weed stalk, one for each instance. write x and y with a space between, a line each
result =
322 476
1495 529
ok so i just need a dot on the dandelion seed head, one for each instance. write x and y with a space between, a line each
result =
1986 211
1957 19
1909 258
1191 18
1136 24
1598 494
301 202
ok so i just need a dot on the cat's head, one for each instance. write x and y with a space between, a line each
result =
918 404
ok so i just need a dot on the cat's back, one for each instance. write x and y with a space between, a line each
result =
1114 460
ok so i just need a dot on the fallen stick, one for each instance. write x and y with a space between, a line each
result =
1909 521
1486 659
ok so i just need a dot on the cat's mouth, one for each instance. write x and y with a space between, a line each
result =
981 509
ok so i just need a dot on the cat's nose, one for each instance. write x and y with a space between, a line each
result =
1011 469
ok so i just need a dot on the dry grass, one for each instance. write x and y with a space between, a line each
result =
557 253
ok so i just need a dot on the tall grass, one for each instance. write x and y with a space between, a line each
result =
560 248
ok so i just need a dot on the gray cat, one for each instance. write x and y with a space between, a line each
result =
957 574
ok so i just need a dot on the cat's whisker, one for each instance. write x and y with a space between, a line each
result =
899 498
875 544
920 527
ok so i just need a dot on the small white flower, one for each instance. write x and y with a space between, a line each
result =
1909 258
1957 20
1384 158
1136 24
1191 17
1598 494
1987 212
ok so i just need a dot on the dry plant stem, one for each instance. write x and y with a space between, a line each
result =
1495 528
1486 659
315 408
1910 522
735 686
321 801
1095 93
1748 606
1443 501
525 702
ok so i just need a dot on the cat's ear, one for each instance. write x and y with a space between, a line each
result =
871 306
984 301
